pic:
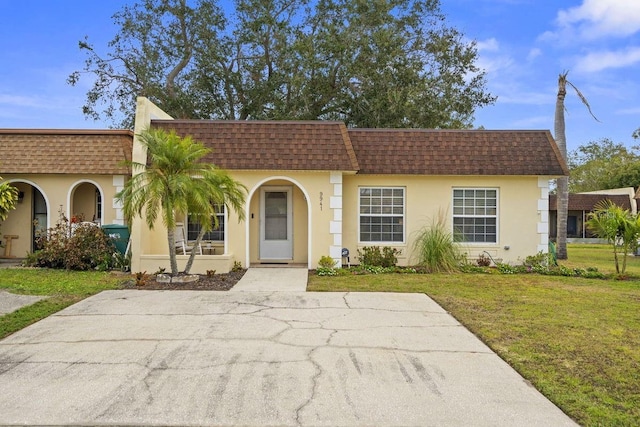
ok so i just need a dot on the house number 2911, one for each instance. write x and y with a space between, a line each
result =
321 198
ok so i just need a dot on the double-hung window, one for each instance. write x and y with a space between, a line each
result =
475 215
216 234
381 214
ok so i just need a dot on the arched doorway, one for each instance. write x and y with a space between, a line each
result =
278 228
30 218
86 202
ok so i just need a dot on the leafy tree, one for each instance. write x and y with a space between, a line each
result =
562 183
174 181
603 164
391 63
620 228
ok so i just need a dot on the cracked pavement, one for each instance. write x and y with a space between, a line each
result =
260 358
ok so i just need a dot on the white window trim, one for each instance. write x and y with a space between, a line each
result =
496 216
224 232
404 217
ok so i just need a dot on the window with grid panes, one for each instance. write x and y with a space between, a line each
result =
475 215
381 214
216 234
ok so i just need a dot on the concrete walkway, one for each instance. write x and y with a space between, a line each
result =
260 358
273 279
11 302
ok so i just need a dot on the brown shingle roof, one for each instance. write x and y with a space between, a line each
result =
586 202
457 152
269 145
57 151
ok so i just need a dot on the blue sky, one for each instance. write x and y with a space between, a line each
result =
523 46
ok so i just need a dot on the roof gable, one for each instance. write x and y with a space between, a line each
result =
58 151
457 152
271 145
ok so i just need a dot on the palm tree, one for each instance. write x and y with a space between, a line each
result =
562 183
8 199
620 228
174 181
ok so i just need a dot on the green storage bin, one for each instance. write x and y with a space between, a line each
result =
119 234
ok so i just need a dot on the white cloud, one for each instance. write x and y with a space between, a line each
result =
629 111
534 53
21 101
527 98
533 121
595 19
494 64
490 45
597 61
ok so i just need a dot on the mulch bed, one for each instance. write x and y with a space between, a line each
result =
216 282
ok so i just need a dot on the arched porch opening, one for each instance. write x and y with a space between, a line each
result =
278 218
86 202
31 217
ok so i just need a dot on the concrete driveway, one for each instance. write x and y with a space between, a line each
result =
260 358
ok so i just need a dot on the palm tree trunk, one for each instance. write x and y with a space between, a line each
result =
562 183
171 237
192 256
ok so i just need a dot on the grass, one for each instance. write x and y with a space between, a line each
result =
600 256
577 340
63 288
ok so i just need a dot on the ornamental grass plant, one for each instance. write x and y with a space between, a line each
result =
436 249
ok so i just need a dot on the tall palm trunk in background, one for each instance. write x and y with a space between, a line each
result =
562 183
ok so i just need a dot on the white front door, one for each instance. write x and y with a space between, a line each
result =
276 234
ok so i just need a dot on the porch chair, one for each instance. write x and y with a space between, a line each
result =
181 241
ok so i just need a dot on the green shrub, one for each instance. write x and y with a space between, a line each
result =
436 249
326 262
324 271
504 268
327 266
541 260
73 247
470 268
374 256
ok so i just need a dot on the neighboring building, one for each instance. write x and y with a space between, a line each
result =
70 172
316 187
581 205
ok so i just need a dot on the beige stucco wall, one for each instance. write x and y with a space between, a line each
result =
522 212
522 229
70 194
325 214
242 243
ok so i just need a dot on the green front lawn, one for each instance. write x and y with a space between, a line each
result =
62 287
577 340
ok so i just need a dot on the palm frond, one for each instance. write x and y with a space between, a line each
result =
584 100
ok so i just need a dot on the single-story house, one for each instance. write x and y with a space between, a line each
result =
581 205
316 187
71 172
